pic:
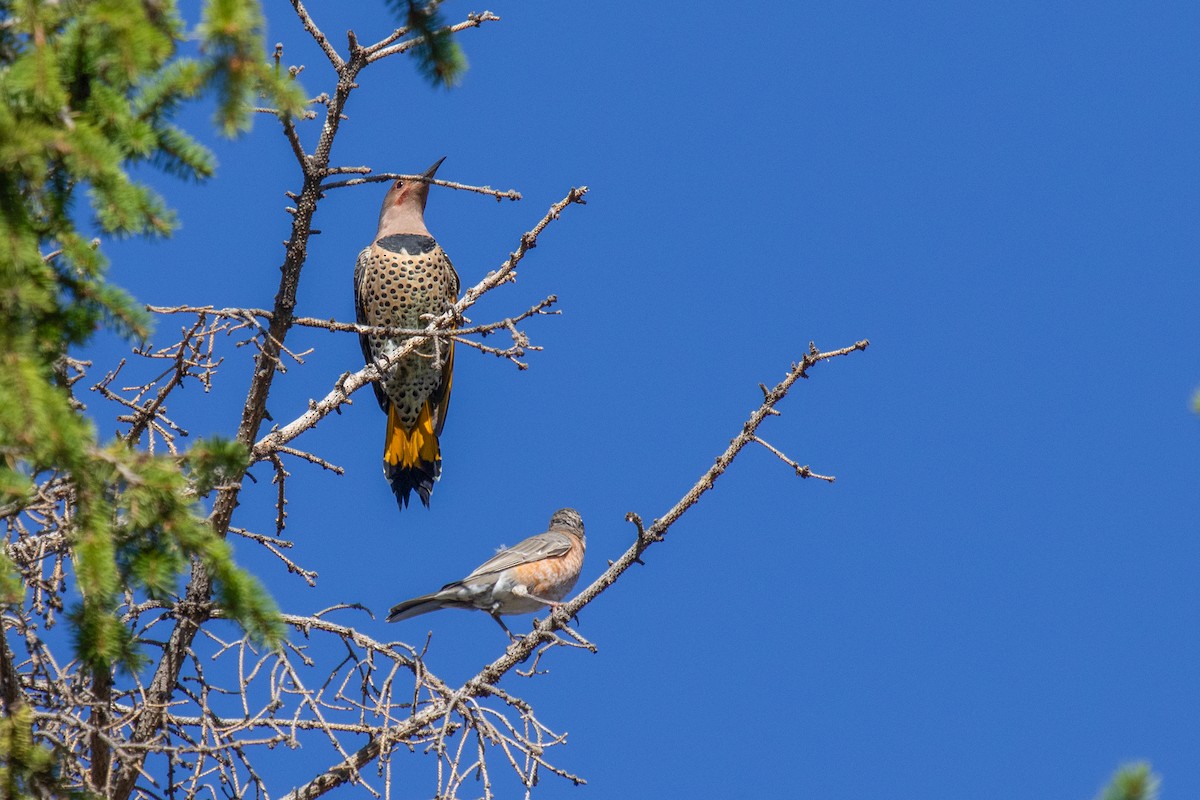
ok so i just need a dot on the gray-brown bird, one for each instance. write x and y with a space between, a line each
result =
399 280
536 573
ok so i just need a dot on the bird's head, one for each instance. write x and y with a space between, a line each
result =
405 201
567 519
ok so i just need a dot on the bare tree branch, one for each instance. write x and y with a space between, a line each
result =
483 683
801 471
203 719
199 588
377 51
318 36
508 194
351 327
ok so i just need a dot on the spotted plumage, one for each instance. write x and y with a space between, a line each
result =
399 280
536 573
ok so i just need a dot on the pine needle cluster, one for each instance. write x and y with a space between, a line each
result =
88 89
440 59
1132 782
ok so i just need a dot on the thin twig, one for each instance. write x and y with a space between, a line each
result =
350 327
802 471
484 681
318 36
473 21
508 194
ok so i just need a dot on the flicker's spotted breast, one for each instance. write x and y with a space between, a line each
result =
400 278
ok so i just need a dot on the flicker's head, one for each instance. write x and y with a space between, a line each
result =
404 205
411 193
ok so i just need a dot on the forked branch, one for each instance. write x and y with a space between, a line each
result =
484 682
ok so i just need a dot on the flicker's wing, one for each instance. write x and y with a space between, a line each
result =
454 277
535 548
439 401
360 315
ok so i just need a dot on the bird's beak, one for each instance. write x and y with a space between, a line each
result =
429 173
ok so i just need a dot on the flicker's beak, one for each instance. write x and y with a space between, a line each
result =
429 173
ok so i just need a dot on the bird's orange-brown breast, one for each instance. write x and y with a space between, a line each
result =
551 578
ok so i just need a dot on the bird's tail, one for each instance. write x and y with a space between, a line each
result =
412 459
418 605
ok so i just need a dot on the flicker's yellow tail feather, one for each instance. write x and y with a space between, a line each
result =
412 459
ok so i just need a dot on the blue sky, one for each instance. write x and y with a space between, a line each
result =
996 599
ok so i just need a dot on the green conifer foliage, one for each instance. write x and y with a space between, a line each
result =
439 57
1132 782
88 89
28 770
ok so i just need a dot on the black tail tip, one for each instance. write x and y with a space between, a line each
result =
404 493
406 480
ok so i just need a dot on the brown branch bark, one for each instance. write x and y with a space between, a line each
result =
10 680
102 689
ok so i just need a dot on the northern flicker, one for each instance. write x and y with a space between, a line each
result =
403 276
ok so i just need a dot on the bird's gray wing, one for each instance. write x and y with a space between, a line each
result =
360 315
535 548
